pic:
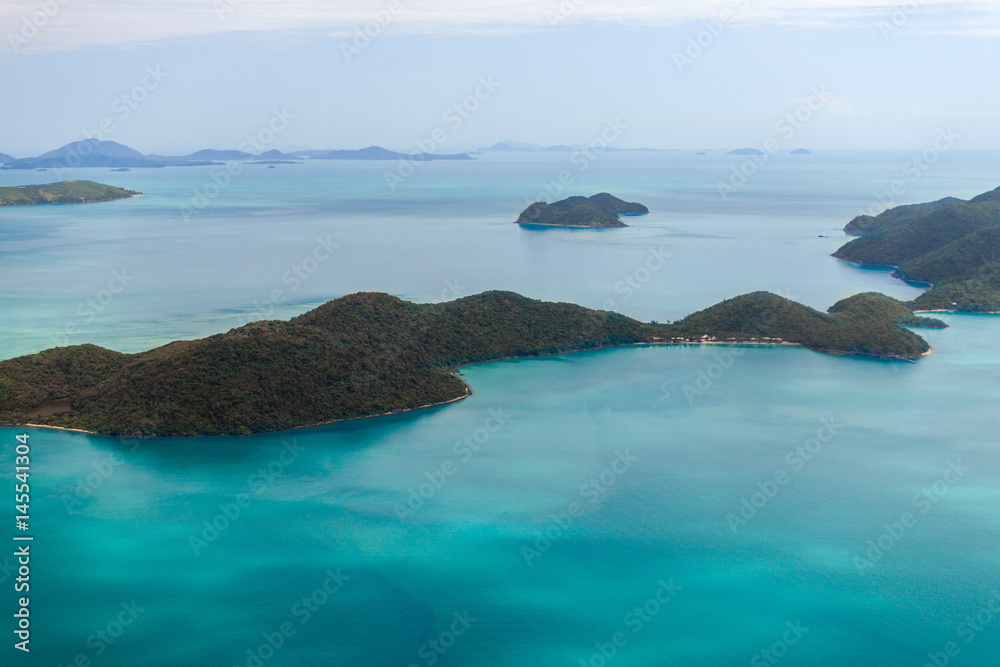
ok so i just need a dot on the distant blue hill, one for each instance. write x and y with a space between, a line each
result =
93 147
521 147
747 151
6 158
512 146
95 153
379 153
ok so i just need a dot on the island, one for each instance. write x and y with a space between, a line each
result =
371 354
66 192
379 153
800 151
951 245
600 211
747 151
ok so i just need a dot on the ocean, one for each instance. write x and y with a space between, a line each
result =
697 506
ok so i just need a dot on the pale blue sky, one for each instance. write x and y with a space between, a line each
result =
891 83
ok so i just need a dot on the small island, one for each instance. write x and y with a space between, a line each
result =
950 245
370 354
800 151
600 211
747 151
66 192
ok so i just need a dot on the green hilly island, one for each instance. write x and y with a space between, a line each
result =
951 244
602 210
66 192
371 353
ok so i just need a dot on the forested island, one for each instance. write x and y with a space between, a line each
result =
67 192
951 244
371 354
599 211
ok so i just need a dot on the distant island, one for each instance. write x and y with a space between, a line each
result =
747 151
951 244
597 212
378 153
510 146
112 155
105 154
66 192
371 354
800 151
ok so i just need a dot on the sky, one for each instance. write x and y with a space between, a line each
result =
174 76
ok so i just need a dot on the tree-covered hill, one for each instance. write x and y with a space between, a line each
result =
370 353
951 244
66 192
600 210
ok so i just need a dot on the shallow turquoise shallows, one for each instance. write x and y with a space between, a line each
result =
644 506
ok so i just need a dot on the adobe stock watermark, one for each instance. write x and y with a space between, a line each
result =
922 502
122 106
796 460
726 358
706 38
224 7
562 12
967 630
591 492
785 128
901 14
293 279
220 179
773 654
90 308
454 118
421 322
32 26
464 450
914 168
256 482
86 487
103 638
581 160
434 649
635 621
302 611
366 33
633 281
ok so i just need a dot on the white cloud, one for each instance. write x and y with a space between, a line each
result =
73 24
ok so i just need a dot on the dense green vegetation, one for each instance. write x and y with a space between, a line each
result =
951 244
66 192
896 216
865 324
600 210
368 354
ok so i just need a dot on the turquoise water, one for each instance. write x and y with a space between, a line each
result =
567 491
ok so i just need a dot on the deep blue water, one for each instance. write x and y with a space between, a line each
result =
753 490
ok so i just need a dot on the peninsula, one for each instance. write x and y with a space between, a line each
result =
66 192
951 244
596 212
371 354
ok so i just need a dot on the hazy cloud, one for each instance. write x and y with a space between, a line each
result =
74 24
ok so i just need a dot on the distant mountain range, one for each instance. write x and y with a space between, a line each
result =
377 153
110 154
510 146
